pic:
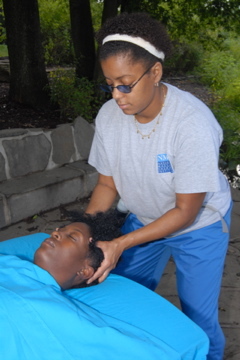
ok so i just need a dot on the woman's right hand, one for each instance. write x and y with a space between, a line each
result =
112 251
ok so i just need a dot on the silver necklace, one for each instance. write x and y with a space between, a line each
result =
156 123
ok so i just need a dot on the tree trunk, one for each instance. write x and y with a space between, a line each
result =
130 6
110 9
28 77
83 38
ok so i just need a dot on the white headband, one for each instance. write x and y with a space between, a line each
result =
137 41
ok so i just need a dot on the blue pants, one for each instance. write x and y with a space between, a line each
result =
199 257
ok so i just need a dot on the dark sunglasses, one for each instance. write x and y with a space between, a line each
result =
126 89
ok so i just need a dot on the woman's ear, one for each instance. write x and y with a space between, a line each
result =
157 72
81 277
84 274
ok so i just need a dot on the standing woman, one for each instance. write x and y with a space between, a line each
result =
157 147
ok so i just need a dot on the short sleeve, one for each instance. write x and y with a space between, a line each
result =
197 157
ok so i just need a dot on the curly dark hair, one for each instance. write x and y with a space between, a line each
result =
134 24
104 226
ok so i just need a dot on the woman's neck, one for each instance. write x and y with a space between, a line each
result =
148 114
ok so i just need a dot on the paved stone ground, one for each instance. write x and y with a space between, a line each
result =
229 306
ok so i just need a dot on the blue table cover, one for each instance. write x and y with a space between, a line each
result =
118 319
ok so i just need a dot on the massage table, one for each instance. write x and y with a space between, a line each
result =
117 319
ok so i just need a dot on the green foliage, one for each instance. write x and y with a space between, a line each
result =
3 50
191 18
74 97
2 27
56 31
229 118
220 69
96 10
217 68
186 56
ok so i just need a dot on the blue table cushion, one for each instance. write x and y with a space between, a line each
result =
118 319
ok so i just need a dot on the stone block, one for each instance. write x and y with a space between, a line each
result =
27 155
83 132
46 198
63 145
91 181
91 175
81 165
43 191
3 221
12 132
2 169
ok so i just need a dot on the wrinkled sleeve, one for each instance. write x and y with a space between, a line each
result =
197 158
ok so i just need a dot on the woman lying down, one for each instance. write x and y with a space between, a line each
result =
70 255
44 316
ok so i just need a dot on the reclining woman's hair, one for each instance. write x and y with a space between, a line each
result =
104 226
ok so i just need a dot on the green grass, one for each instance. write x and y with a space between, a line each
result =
3 50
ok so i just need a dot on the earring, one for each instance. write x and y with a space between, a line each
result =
156 84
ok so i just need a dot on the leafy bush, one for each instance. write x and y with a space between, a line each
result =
96 11
185 57
56 31
74 96
221 71
3 50
221 68
230 122
2 27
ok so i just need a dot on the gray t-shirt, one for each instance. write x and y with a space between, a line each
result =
181 156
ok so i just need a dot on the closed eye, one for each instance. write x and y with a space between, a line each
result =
72 237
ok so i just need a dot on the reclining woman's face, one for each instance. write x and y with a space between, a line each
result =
65 255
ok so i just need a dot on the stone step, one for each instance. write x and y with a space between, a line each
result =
26 196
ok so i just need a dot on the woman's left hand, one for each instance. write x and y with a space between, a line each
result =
112 252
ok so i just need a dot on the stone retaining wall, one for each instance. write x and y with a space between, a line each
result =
26 151
43 169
